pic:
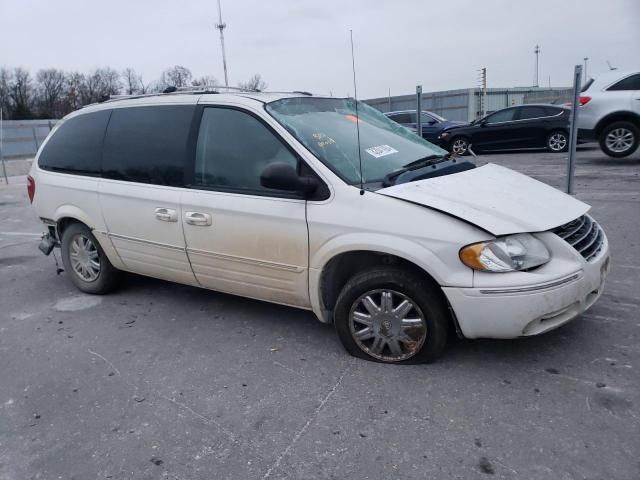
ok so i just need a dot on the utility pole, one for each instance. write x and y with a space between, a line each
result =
4 167
537 52
221 26
483 94
586 59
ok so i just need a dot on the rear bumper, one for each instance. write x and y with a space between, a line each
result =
512 312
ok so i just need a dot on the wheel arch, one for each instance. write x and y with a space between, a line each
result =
622 115
333 267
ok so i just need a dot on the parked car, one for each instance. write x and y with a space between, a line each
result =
609 112
432 124
525 126
276 197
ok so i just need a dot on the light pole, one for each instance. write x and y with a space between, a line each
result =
586 59
537 52
221 26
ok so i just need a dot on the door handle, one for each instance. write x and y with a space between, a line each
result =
166 214
198 219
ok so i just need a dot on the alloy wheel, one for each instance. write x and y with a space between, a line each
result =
459 146
84 257
619 140
387 325
557 142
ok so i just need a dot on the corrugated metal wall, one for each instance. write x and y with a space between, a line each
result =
465 104
22 138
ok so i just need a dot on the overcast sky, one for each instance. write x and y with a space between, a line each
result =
304 45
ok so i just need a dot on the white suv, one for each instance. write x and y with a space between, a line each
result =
273 197
610 112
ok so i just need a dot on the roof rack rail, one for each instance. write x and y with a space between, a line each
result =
172 90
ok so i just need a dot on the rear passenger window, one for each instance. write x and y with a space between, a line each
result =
148 144
629 83
76 145
233 148
532 112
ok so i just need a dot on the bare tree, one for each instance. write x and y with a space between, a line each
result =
74 83
50 90
5 82
177 76
203 81
255 83
132 81
21 94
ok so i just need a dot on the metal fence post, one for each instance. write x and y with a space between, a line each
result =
35 138
419 110
4 167
573 134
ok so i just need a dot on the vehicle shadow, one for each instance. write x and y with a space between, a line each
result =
203 306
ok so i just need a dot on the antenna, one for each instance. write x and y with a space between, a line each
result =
355 93
221 26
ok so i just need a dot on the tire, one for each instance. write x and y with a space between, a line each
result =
459 145
85 262
558 141
424 323
619 139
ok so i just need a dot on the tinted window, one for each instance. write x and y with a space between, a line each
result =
428 119
233 148
532 112
501 116
629 83
551 111
76 145
148 144
402 118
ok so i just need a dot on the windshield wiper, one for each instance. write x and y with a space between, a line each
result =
416 164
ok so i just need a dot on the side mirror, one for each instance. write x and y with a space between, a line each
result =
483 123
282 176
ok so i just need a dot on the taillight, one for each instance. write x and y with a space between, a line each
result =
583 100
31 188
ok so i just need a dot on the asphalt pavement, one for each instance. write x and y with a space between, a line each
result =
159 380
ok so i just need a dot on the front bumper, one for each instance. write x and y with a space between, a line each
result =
526 310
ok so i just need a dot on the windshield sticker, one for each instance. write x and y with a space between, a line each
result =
381 151
323 140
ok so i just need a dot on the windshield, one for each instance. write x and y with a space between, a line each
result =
425 116
327 127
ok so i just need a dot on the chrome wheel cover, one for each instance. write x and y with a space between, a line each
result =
557 142
619 140
459 146
84 257
387 325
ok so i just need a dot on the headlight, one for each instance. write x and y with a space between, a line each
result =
444 134
506 254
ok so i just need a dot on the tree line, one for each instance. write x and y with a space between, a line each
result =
53 93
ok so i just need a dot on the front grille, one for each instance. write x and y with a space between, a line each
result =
583 234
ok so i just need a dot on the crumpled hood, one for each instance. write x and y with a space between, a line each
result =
495 198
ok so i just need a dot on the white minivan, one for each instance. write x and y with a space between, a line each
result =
318 203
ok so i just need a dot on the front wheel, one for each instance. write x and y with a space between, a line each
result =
391 315
459 146
619 139
558 141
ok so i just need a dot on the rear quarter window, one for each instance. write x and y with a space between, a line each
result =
76 146
148 144
630 83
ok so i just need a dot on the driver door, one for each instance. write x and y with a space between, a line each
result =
243 238
496 131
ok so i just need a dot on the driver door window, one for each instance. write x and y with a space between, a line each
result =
232 150
501 116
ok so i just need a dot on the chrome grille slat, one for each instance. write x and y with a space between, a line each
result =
584 235
571 230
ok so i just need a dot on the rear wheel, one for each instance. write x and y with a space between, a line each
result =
86 263
619 139
558 141
391 315
459 145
